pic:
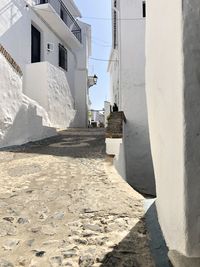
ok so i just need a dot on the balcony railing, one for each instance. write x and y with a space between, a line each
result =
65 15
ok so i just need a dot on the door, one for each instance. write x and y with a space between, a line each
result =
35 45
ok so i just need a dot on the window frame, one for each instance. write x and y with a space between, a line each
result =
62 57
144 9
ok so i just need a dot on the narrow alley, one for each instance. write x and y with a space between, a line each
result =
63 204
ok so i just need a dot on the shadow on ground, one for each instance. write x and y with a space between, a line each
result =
76 144
133 250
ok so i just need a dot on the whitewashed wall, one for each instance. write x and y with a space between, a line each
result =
15 36
172 74
81 78
132 98
139 168
21 119
55 96
114 78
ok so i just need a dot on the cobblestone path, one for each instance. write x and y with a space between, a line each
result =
62 204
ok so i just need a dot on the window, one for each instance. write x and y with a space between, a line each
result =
35 45
144 9
115 30
115 25
61 14
43 1
62 57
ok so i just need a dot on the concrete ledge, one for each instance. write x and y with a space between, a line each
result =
179 260
113 146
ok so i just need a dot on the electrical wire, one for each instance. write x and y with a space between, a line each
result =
91 58
110 19
98 44
96 18
107 44
104 60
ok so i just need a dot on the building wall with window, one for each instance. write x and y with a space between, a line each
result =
130 47
114 78
15 34
16 21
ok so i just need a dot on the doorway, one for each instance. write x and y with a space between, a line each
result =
35 45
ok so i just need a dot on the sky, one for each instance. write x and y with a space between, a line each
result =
101 46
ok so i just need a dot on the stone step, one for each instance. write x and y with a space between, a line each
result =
115 125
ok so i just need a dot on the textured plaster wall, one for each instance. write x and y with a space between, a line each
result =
55 96
60 102
21 119
165 98
139 167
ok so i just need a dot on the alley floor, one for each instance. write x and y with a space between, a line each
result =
63 204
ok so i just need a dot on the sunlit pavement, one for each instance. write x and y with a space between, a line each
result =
63 204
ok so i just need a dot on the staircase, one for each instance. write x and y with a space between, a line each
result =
115 125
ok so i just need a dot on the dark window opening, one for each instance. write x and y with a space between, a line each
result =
63 57
115 29
61 14
35 45
115 3
144 9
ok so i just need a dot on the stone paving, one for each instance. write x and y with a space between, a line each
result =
62 204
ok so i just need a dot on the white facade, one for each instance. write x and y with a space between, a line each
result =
173 96
97 116
55 89
55 96
127 89
21 119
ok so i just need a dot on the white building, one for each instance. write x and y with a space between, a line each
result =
127 89
52 49
97 117
173 98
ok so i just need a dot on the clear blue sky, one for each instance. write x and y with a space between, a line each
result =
101 45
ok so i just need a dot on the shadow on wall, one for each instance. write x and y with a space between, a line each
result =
133 250
26 126
76 123
139 164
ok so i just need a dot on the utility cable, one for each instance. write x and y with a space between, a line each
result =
95 18
93 39
110 19
104 60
